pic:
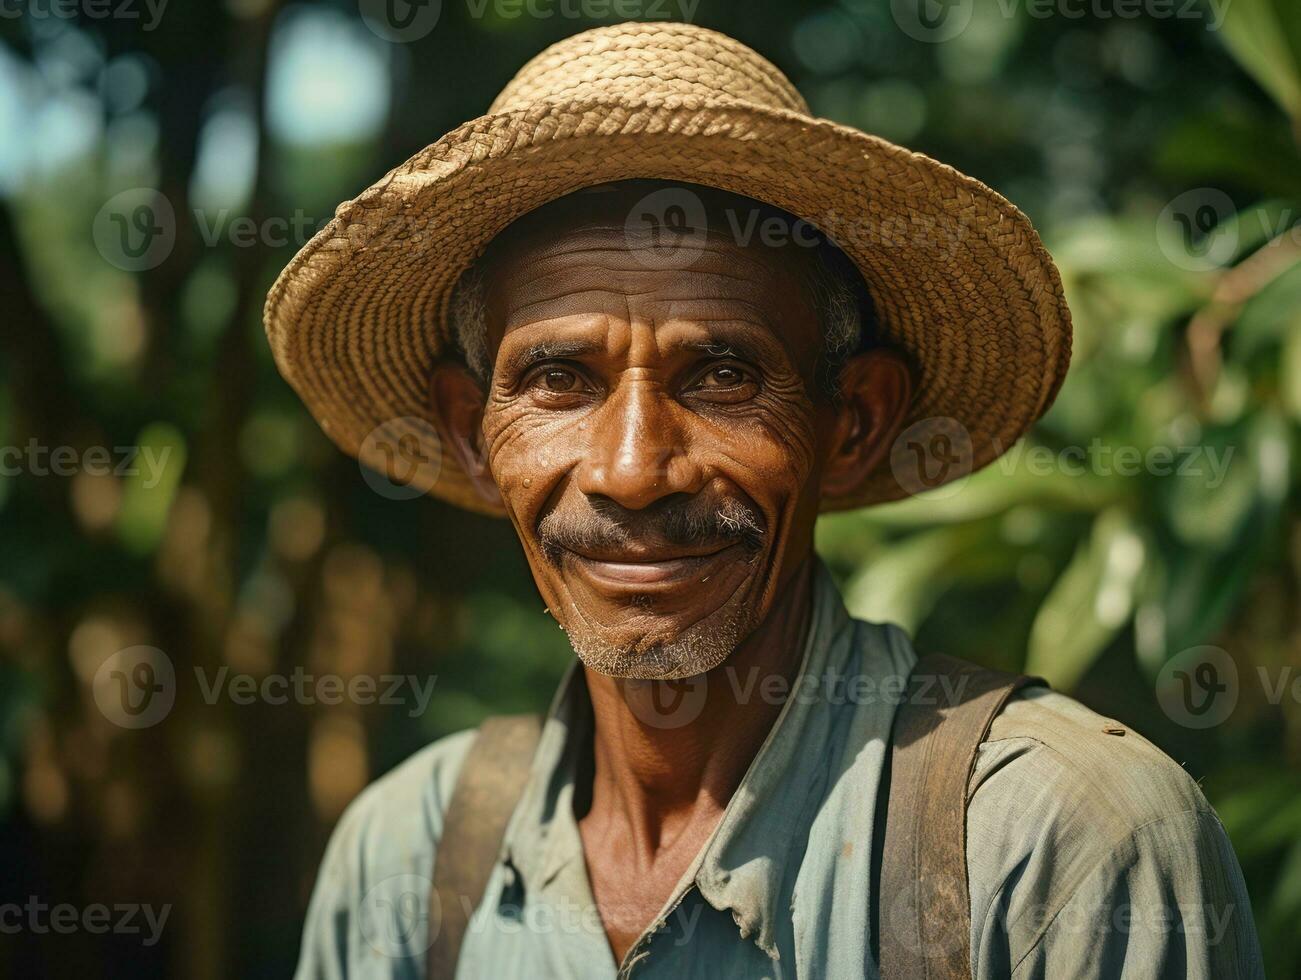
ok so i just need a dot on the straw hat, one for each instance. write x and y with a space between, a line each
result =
959 278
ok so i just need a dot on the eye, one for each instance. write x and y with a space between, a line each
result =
722 376
724 383
559 379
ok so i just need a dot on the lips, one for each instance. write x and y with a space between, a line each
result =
642 570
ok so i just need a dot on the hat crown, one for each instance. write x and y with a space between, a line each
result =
651 63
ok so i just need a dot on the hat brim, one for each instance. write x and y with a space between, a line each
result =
960 280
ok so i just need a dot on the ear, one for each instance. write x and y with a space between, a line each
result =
457 402
876 388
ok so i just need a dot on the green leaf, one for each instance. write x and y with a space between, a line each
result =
1264 36
1269 316
1089 603
1290 372
900 583
1234 146
1231 528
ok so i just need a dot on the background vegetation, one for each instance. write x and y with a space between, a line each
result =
1158 155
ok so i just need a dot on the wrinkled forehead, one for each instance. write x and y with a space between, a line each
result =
678 249
667 216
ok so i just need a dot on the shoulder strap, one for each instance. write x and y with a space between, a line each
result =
923 907
489 785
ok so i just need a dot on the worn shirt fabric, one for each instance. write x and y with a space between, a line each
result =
1090 853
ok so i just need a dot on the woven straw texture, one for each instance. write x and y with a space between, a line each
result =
960 280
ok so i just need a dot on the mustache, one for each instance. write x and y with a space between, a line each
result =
608 527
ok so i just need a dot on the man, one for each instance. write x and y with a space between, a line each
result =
660 318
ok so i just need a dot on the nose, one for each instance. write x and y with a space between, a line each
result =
637 453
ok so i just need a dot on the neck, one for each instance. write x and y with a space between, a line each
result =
670 754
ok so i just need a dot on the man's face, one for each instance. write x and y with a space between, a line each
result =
654 429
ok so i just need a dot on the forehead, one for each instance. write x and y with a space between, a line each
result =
585 257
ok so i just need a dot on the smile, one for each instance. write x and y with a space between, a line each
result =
611 573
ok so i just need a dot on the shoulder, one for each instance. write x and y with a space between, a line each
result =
1047 744
400 815
1053 774
379 863
1085 843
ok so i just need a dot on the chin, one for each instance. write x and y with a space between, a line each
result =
662 654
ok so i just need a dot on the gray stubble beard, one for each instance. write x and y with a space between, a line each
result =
696 650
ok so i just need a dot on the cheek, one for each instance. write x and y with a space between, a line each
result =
528 452
775 442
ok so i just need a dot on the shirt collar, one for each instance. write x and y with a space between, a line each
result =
749 863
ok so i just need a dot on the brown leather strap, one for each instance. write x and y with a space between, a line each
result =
491 781
924 912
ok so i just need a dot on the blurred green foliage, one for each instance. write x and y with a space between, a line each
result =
1159 157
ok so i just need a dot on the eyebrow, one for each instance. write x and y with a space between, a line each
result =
547 350
738 338
725 349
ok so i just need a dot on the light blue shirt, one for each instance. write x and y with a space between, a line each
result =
1090 853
